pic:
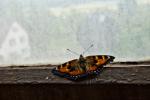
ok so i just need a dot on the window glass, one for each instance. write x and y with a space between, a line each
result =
40 31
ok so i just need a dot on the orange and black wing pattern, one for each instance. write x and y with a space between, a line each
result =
97 61
72 69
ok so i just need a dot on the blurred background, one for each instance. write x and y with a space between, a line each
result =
40 31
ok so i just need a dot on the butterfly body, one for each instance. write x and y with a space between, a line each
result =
83 67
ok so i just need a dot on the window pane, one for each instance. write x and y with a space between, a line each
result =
40 31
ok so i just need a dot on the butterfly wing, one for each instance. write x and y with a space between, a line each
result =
71 69
96 62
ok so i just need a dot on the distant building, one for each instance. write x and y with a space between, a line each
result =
15 45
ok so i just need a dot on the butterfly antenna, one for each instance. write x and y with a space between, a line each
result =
88 48
73 52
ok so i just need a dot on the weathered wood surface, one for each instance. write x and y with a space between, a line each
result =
35 75
38 83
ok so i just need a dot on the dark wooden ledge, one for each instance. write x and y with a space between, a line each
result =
38 83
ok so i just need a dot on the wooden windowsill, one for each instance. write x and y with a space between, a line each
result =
38 83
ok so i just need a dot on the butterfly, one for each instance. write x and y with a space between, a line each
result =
83 67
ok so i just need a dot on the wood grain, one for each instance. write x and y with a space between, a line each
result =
38 83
